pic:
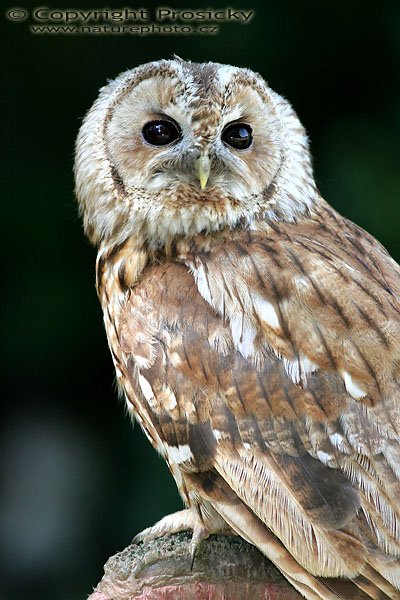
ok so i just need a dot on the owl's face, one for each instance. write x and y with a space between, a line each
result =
174 148
185 129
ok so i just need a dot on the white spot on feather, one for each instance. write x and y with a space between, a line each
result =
142 361
301 282
129 404
267 313
175 359
352 387
146 388
168 399
323 457
299 369
202 283
179 454
243 335
218 434
336 439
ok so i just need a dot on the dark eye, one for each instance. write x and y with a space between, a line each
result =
161 133
237 135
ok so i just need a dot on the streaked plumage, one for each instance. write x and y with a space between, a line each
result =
253 329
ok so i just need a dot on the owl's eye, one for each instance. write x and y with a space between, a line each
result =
237 135
161 133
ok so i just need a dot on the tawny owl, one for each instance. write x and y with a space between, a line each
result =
255 332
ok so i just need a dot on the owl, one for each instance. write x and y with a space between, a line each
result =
254 331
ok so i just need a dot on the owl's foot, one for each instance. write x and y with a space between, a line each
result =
183 520
189 519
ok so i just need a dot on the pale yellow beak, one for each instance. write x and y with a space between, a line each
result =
203 169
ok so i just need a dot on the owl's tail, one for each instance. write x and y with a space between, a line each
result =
365 575
366 586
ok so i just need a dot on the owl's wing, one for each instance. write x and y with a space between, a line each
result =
270 373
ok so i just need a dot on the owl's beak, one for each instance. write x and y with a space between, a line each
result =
202 165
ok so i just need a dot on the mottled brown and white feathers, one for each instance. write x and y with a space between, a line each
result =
255 332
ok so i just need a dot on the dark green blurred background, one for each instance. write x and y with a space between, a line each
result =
77 482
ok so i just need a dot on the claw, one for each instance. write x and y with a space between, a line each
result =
200 533
138 538
193 552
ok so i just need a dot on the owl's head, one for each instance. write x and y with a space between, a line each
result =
177 148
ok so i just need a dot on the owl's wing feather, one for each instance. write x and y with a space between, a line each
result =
271 375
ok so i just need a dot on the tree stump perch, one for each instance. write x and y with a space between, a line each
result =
226 568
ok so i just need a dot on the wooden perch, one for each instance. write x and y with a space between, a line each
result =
226 568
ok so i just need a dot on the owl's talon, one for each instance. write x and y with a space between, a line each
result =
139 537
193 552
200 533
